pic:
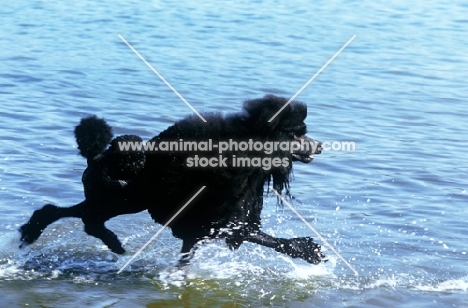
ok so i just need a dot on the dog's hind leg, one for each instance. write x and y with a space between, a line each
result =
99 230
187 251
43 217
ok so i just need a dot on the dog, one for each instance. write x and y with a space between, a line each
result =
120 179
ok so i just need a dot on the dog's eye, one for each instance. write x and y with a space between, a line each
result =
298 130
302 131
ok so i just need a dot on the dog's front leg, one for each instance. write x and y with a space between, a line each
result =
301 247
189 245
105 235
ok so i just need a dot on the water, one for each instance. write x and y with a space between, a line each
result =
395 208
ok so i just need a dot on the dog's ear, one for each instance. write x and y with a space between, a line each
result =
260 111
298 111
294 120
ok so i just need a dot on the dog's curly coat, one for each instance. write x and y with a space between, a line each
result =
120 182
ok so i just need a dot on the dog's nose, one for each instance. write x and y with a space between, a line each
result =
318 148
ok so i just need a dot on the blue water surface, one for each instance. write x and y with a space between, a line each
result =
395 207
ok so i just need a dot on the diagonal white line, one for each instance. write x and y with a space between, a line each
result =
315 231
161 77
159 231
313 77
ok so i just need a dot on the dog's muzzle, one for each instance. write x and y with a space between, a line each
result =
304 148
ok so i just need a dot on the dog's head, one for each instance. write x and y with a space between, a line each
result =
272 117
275 120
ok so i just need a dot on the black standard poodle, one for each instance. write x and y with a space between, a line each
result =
233 156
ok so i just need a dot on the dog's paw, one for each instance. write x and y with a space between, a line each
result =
29 233
304 248
39 220
117 249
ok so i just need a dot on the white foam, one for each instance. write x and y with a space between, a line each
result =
304 271
9 270
8 247
451 285
216 261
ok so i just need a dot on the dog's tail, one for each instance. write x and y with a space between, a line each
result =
92 135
